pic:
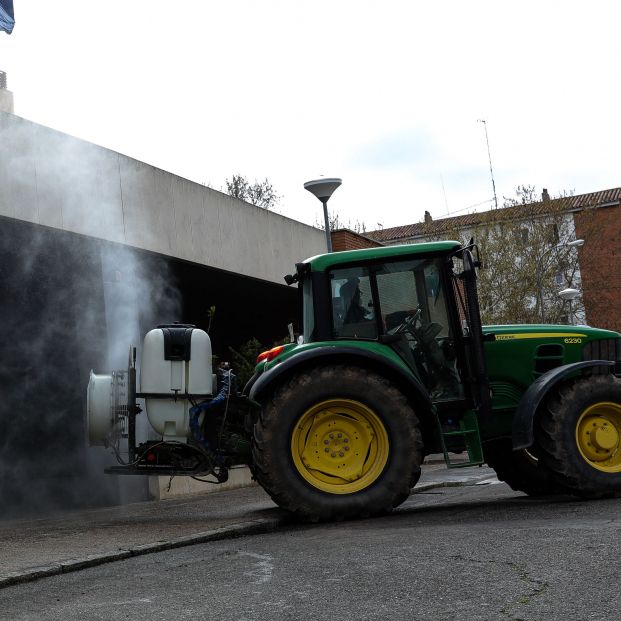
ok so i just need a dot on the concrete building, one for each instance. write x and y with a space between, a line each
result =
95 249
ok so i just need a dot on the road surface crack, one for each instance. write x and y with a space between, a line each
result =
537 588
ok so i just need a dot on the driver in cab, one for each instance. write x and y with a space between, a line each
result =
352 302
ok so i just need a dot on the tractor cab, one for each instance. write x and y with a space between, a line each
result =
403 305
407 311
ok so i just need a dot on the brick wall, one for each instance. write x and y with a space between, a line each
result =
600 265
344 239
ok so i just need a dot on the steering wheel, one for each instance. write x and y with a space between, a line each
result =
409 323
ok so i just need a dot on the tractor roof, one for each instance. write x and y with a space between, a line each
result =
322 262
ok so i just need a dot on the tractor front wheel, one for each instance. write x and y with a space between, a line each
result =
579 433
337 442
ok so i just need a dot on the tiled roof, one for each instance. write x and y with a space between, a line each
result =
568 203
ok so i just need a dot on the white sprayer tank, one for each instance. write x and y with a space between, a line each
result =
176 364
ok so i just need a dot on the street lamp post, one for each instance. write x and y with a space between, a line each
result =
576 243
567 295
323 190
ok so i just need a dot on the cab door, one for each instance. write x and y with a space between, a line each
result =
414 319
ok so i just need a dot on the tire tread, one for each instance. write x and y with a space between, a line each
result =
268 424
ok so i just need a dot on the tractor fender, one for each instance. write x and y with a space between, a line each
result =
537 391
407 382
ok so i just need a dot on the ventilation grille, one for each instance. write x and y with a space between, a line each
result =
505 395
548 357
604 349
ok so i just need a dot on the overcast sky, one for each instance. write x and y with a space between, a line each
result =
384 94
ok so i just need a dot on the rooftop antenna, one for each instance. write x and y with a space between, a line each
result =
491 172
444 192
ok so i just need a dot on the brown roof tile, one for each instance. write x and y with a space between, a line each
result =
568 203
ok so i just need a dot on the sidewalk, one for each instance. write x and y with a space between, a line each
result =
37 548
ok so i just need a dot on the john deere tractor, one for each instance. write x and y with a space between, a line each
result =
392 364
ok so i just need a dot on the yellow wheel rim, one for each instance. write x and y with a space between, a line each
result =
598 435
340 446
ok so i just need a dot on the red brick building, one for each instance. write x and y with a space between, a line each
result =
600 261
344 239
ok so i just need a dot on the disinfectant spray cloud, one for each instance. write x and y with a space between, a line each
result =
69 303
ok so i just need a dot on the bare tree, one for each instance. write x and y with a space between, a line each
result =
526 264
528 195
526 260
260 193
335 223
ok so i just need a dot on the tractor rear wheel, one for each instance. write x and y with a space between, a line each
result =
521 470
337 442
579 433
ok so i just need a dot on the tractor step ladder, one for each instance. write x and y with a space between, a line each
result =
469 431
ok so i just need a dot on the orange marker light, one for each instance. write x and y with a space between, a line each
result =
270 354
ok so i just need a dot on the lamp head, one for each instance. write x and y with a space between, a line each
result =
323 188
568 294
576 243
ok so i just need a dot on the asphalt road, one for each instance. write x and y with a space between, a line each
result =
480 552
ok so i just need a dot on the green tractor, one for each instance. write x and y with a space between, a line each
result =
393 364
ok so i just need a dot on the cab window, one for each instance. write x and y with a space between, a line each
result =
352 304
308 311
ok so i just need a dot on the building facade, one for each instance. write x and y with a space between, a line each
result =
95 249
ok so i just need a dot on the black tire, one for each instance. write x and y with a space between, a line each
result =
521 470
592 402
281 426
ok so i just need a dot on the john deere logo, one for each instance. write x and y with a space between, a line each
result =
569 337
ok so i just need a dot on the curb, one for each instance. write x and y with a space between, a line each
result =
231 531
239 529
